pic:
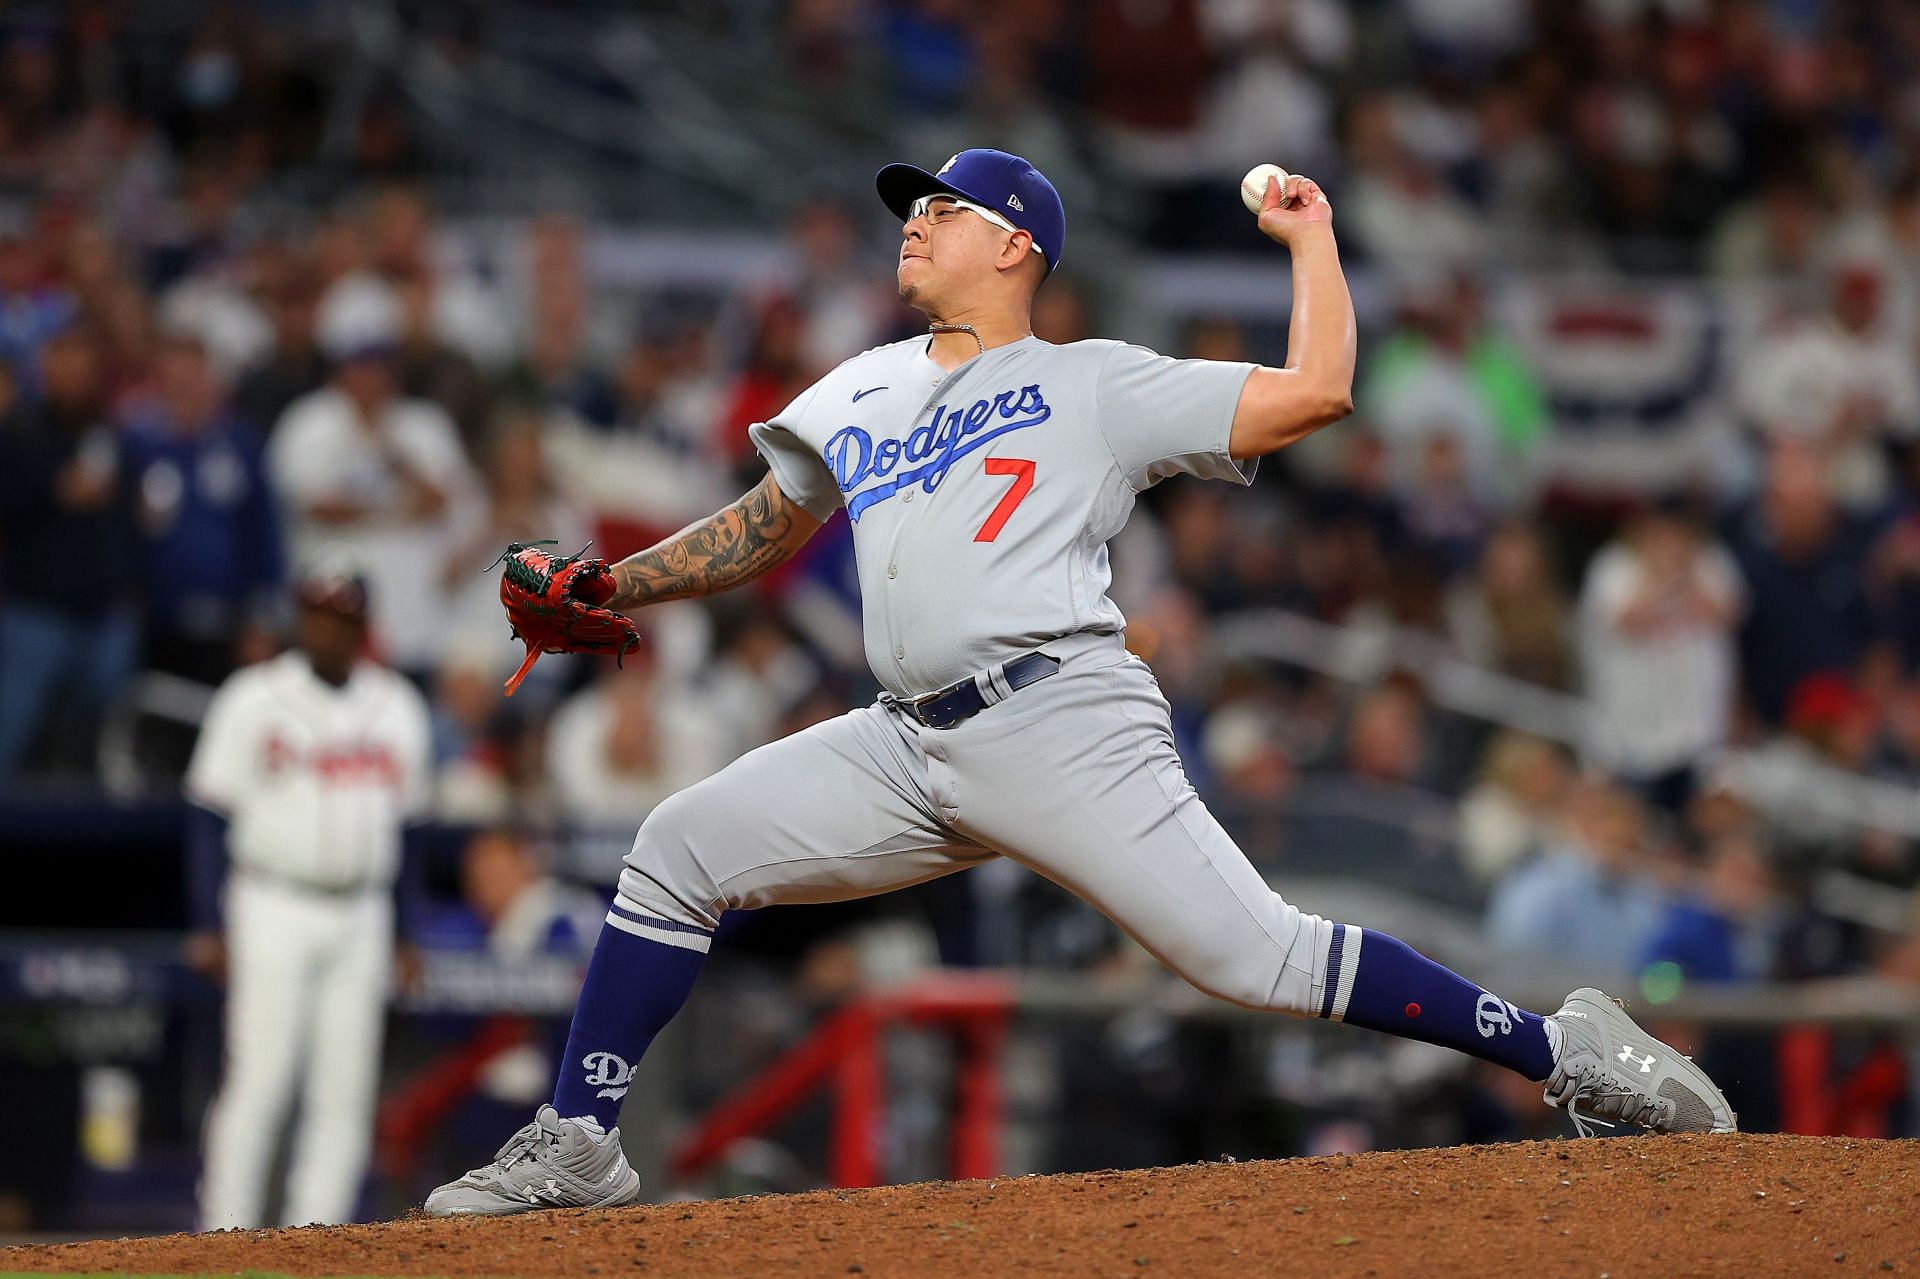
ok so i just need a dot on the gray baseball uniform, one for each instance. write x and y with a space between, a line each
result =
982 500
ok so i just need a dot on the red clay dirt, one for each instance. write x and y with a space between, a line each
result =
1628 1207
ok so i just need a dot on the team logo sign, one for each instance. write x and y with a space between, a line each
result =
609 1073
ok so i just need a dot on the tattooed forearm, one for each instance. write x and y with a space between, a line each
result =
718 553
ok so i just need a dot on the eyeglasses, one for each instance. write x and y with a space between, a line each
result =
919 208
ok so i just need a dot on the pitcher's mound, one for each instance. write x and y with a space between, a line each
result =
1629 1207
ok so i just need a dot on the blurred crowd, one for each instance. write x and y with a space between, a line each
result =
204 382
1716 136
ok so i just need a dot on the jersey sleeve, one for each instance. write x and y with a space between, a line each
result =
1163 416
221 771
801 473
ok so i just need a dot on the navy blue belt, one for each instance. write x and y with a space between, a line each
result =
969 697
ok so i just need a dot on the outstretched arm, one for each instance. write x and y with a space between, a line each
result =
732 546
1281 406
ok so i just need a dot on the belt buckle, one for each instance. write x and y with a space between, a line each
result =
919 706
913 707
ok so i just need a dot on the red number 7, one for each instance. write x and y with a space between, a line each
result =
1022 471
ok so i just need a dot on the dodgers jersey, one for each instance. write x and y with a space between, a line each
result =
983 498
315 781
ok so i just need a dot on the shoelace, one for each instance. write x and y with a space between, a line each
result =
1597 1091
519 1147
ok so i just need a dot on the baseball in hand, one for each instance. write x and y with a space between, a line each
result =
1253 187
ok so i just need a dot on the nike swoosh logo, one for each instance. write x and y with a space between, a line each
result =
860 395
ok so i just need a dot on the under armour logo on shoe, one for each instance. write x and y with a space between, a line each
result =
1644 1062
547 1194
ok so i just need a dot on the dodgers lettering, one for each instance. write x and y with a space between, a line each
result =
946 437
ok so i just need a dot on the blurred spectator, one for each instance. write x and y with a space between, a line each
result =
1512 811
1447 373
432 368
666 387
1397 209
1008 107
757 673
1803 560
69 625
649 471
1373 816
1771 236
845 295
1658 615
395 231
212 538
775 370
556 370
471 784
292 365
1846 382
1244 756
929 48
1525 181
32 308
1792 781
520 505
1443 518
1726 927
1588 900
1146 78
1511 615
1265 98
381 477
522 910
1895 582
626 742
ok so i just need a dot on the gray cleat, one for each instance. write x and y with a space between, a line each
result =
551 1163
1610 1069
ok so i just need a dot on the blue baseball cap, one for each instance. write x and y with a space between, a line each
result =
1005 183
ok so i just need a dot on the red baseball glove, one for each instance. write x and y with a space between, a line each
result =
554 606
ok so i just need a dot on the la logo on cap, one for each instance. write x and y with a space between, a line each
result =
951 161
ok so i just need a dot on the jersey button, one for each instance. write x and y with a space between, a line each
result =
899 653
893 570
907 496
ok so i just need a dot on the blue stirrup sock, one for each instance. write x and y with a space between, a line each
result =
1380 982
641 972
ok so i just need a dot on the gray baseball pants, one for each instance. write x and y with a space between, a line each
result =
1074 777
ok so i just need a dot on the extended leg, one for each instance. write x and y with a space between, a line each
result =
836 812
1080 781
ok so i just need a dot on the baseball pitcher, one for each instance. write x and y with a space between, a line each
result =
984 472
307 768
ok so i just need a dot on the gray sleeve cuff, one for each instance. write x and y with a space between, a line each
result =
801 476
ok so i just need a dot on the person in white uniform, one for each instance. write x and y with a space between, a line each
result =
984 472
307 770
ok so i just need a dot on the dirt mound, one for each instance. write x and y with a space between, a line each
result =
1736 1206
